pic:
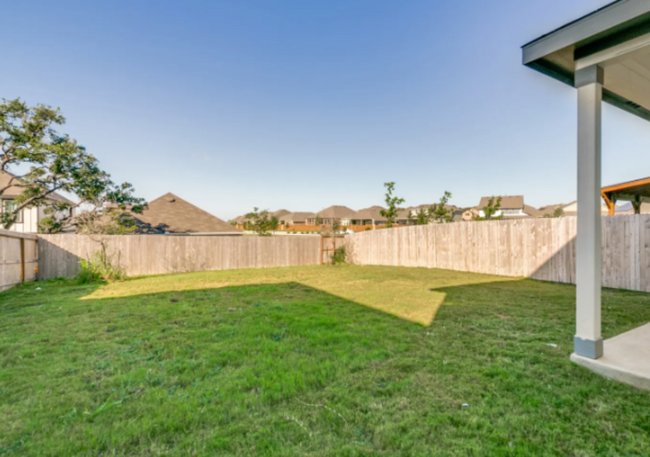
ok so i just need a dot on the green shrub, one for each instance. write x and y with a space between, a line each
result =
339 256
100 266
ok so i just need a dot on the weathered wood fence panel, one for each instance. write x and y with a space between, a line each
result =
18 258
537 248
149 254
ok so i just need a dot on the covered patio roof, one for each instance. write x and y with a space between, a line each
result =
637 192
605 55
616 38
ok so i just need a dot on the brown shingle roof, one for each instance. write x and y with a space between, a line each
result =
337 212
279 213
298 216
507 202
533 212
403 214
172 214
550 209
374 212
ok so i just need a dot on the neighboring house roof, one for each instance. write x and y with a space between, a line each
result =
298 216
571 209
374 213
551 208
533 212
627 208
14 191
279 213
403 214
415 209
172 214
507 201
239 219
337 212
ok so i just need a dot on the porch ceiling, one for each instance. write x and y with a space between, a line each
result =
617 38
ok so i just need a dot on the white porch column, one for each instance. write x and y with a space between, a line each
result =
588 341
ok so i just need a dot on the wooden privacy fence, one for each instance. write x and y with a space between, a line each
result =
150 254
536 248
18 258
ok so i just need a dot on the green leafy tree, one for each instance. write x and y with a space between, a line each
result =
274 223
261 222
489 211
392 204
45 162
422 216
440 212
318 220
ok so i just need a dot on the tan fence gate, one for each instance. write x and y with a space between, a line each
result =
329 244
18 258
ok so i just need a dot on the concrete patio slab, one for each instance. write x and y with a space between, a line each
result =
626 358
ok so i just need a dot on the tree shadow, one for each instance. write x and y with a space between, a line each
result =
206 365
407 296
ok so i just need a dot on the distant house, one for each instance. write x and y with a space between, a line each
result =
297 218
238 221
549 210
469 214
416 209
171 215
511 206
627 208
328 216
279 213
29 218
369 216
571 209
404 216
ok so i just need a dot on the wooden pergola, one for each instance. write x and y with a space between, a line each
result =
636 192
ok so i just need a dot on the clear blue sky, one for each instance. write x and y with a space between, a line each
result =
303 104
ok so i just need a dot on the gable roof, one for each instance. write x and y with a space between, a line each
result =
507 201
279 213
14 191
374 212
337 212
172 214
550 209
298 216
403 214
533 212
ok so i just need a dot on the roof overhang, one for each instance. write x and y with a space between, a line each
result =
638 190
615 37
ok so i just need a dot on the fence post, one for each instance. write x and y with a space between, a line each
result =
22 260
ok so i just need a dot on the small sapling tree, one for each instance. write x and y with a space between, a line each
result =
392 204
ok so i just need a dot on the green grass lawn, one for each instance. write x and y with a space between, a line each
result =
316 361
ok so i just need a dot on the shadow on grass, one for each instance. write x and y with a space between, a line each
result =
306 370
406 293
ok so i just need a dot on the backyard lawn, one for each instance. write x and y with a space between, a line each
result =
317 361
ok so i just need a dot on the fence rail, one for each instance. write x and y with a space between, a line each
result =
151 254
18 258
536 248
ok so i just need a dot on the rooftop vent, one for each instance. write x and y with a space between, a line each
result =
171 199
